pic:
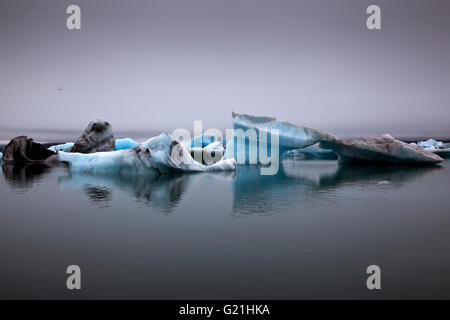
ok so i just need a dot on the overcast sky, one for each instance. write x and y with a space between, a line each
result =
159 65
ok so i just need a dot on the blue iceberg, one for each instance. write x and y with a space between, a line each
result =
429 144
158 155
437 147
290 136
246 143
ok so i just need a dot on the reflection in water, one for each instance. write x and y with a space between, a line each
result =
162 193
23 176
99 195
330 174
307 181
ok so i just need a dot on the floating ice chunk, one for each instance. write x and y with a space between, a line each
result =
126 143
384 182
430 144
202 141
155 156
98 136
168 155
61 147
24 150
381 149
437 147
290 136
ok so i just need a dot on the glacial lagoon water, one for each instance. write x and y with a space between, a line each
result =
308 232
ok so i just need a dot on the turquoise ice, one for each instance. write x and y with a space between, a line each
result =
158 155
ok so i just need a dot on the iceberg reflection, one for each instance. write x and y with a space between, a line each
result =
23 176
161 192
313 183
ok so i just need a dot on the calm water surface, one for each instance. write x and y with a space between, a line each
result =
308 232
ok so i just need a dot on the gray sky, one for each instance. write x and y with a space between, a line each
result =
158 65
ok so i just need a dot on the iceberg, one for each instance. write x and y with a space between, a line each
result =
98 136
437 147
290 136
366 149
158 155
380 149
430 144
23 149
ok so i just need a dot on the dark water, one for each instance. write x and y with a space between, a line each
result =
308 232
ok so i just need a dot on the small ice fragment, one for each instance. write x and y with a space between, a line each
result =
126 143
203 140
61 147
384 182
430 144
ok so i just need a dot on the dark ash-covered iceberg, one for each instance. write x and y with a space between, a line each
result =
98 136
23 149
380 149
